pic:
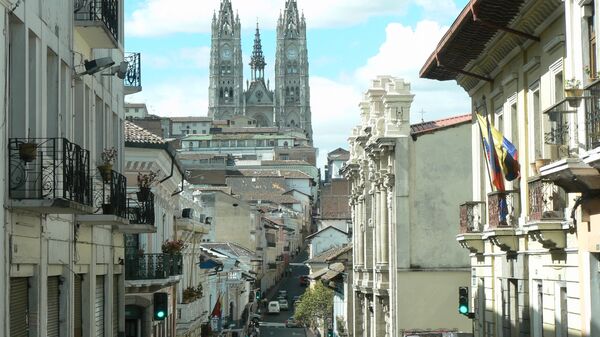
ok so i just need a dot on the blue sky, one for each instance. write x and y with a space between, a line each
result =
349 41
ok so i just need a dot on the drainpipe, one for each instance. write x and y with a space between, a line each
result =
171 174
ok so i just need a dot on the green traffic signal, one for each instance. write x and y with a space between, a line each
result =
463 309
258 294
463 300
161 306
160 314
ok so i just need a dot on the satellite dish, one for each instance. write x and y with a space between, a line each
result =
94 66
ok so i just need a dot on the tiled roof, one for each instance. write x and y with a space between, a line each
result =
324 229
290 174
427 127
230 248
190 119
285 162
330 254
136 134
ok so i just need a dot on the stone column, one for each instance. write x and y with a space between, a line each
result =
379 314
383 224
377 221
362 229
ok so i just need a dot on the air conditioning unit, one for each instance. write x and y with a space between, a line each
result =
187 213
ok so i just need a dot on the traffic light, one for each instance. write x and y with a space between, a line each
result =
258 294
329 332
161 306
463 300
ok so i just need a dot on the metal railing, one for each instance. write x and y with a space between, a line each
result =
272 265
561 129
472 217
152 266
111 194
271 244
592 116
133 77
503 208
546 200
141 212
49 168
105 11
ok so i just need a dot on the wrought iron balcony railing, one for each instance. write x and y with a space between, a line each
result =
503 208
592 116
49 168
141 212
101 11
272 265
271 244
472 217
561 129
152 266
546 200
133 76
110 194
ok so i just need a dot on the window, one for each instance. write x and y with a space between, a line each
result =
284 156
194 131
203 132
593 69
562 320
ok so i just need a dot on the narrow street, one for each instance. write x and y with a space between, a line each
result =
273 325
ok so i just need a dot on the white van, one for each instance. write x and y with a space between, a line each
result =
273 307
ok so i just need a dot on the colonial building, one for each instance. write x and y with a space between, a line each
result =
63 220
406 183
534 73
335 193
288 103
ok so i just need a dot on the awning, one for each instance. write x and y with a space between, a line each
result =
334 270
316 275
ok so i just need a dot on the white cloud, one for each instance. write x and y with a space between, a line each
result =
175 97
403 53
438 9
164 17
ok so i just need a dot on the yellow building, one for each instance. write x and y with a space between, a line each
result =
535 271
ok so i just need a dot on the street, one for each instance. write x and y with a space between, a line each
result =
273 325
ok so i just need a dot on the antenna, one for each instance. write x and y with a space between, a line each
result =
422 113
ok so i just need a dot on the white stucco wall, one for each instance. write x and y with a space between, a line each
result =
325 240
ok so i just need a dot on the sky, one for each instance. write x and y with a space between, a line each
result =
350 42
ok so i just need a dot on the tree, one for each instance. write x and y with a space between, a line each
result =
315 305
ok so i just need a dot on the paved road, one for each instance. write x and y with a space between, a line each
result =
273 325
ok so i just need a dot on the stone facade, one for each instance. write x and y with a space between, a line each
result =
288 104
400 217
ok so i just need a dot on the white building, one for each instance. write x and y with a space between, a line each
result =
326 239
63 241
534 271
183 126
136 110
406 184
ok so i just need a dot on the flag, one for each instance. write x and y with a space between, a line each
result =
508 156
216 312
488 142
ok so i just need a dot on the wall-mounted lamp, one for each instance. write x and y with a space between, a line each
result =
94 66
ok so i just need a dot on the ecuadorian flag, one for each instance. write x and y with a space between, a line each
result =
494 163
507 154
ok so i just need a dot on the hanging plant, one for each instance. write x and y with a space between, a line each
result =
173 246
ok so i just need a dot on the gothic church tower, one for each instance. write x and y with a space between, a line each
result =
292 90
225 92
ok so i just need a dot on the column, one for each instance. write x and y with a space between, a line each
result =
384 225
377 221
378 311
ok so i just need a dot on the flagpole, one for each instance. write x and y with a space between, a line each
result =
487 164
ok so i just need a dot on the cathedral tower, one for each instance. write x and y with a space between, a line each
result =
292 92
225 92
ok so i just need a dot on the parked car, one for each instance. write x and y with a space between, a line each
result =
304 280
283 304
292 323
283 293
273 307
295 298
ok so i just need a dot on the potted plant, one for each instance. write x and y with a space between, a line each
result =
27 151
190 294
108 157
145 181
173 247
591 76
573 92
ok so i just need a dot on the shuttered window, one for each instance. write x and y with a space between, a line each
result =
99 308
53 306
19 300
77 305
115 307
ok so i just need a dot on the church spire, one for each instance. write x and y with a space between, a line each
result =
226 21
291 20
257 62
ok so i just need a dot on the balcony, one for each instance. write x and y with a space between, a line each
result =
592 125
133 77
141 215
547 203
472 217
49 175
503 209
558 138
97 21
110 200
157 269
272 265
